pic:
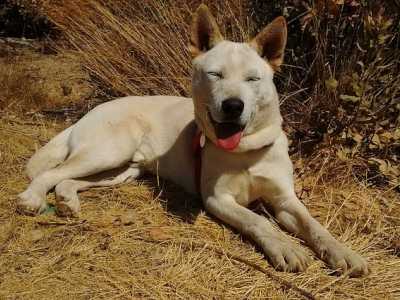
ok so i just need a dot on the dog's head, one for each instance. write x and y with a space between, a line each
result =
233 90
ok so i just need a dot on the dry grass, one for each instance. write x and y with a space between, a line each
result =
133 48
31 81
341 75
153 241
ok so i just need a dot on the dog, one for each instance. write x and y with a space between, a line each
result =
243 149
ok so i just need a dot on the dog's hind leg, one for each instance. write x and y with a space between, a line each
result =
50 155
67 190
83 162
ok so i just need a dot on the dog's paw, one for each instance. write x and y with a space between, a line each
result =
29 203
286 255
65 209
67 206
67 201
345 260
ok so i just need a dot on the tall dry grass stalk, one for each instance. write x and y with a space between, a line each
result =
137 48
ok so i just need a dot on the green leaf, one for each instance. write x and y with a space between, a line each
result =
348 98
331 84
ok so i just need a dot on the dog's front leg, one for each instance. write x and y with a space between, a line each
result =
294 216
283 253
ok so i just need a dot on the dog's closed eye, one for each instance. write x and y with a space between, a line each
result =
215 74
252 78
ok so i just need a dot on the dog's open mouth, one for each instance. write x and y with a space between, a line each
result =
228 135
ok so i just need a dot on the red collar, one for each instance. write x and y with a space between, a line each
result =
197 146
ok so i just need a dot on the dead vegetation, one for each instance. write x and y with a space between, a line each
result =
150 240
131 48
32 82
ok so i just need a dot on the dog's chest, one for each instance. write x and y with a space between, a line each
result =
238 174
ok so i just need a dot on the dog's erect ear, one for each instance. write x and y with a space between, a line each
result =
205 32
270 43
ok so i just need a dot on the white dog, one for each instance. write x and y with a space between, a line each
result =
244 150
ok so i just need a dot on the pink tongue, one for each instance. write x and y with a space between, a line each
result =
231 142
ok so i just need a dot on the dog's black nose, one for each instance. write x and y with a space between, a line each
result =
232 108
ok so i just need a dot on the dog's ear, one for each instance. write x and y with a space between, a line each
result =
205 33
270 43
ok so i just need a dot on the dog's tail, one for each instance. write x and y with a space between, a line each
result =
50 155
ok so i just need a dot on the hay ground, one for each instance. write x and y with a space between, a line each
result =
150 240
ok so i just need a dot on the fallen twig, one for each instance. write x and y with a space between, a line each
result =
20 42
23 123
61 223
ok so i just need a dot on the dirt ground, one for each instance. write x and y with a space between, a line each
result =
151 240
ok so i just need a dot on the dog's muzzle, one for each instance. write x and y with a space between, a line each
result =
232 109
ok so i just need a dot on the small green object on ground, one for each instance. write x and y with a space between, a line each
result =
50 210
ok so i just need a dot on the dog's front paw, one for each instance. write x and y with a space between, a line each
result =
286 255
29 203
343 259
